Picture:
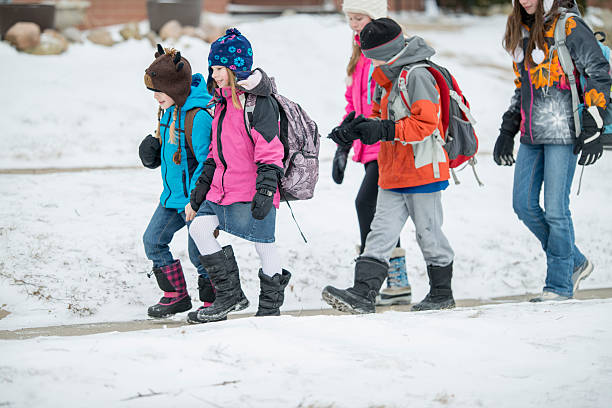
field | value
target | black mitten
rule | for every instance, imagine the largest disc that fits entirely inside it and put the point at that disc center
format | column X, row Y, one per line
column 339, row 164
column 589, row 141
column 150, row 152
column 503, row 152
column 265, row 185
column 371, row 131
column 198, row 194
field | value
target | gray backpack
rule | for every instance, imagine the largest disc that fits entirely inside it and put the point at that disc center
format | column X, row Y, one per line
column 301, row 140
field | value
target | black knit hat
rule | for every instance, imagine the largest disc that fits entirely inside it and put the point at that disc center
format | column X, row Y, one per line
column 381, row 39
column 169, row 73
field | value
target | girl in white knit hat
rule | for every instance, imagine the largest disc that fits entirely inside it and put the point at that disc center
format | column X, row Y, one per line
column 359, row 92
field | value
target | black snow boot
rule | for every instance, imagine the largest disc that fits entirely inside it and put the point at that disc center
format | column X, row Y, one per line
column 207, row 295
column 223, row 271
column 272, row 293
column 361, row 298
column 171, row 280
column 440, row 294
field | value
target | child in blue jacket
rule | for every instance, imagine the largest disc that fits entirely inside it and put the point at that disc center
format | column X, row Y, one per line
column 177, row 92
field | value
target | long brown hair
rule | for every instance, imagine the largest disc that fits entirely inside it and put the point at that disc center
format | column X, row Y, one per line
column 212, row 85
column 354, row 59
column 538, row 24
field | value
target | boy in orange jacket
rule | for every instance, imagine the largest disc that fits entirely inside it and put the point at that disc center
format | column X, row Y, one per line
column 413, row 168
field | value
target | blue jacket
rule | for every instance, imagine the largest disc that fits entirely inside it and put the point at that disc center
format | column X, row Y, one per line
column 179, row 179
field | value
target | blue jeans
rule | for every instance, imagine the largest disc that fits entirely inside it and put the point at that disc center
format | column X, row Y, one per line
column 164, row 223
column 552, row 166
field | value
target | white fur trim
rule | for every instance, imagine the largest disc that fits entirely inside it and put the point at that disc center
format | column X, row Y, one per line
column 518, row 55
column 547, row 4
column 373, row 8
column 538, row 56
column 252, row 81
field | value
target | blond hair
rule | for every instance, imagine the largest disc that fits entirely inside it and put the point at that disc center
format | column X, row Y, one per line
column 232, row 80
column 172, row 140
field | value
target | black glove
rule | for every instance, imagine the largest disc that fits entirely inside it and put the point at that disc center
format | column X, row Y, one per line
column 339, row 164
column 344, row 134
column 371, row 131
column 265, row 185
column 503, row 152
column 198, row 194
column 150, row 152
column 589, row 141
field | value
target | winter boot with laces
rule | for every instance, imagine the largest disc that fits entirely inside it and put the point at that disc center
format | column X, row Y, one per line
column 272, row 293
column 171, row 280
column 398, row 290
column 369, row 276
column 440, row 294
column 224, row 275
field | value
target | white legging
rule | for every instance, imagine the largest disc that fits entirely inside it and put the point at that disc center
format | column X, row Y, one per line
column 202, row 229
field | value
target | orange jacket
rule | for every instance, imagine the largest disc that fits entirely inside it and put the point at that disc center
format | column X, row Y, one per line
column 416, row 156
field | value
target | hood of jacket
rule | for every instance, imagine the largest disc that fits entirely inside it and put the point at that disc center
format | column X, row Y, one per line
column 199, row 96
column 415, row 50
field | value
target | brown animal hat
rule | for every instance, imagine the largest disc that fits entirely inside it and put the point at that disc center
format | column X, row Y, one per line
column 169, row 73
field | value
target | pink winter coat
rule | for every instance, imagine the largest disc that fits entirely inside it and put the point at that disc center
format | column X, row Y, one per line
column 357, row 100
column 236, row 155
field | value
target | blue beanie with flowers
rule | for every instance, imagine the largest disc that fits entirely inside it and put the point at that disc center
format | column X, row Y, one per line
column 233, row 51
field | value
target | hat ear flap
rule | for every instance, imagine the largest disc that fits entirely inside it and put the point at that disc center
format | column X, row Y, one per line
column 179, row 66
column 160, row 51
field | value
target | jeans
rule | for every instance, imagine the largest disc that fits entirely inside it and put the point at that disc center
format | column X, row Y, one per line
column 552, row 166
column 164, row 223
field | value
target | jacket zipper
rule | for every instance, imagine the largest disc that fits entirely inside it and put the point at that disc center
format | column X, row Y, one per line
column 530, row 102
column 164, row 159
column 220, row 147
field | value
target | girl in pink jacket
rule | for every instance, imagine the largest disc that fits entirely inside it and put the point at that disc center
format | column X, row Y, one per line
column 359, row 94
column 237, row 191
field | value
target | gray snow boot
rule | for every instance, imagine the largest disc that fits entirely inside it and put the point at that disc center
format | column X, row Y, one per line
column 223, row 271
column 272, row 293
column 440, row 294
column 370, row 274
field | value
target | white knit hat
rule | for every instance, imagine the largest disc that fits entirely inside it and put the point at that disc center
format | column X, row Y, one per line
column 373, row 8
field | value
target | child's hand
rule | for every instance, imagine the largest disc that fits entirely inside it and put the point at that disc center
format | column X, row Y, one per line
column 189, row 213
column 262, row 203
column 150, row 152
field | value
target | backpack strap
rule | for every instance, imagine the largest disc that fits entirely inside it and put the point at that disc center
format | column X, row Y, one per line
column 189, row 118
column 248, row 113
column 567, row 64
column 403, row 88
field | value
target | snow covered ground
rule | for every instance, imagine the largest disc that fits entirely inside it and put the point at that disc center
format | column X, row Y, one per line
column 71, row 251
column 522, row 355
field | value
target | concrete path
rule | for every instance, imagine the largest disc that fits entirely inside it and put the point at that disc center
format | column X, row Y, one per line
column 95, row 328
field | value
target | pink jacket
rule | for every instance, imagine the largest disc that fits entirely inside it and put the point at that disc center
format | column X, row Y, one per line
column 236, row 155
column 357, row 100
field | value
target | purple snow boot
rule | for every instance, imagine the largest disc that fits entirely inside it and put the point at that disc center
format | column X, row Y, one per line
column 171, row 280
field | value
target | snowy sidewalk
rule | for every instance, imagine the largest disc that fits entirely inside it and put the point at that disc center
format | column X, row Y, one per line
column 179, row 320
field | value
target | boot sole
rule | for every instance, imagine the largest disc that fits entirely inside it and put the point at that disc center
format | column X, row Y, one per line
column 243, row 304
column 180, row 308
column 417, row 308
column 341, row 305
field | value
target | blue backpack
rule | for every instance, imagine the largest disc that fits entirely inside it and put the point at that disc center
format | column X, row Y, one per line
column 568, row 67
